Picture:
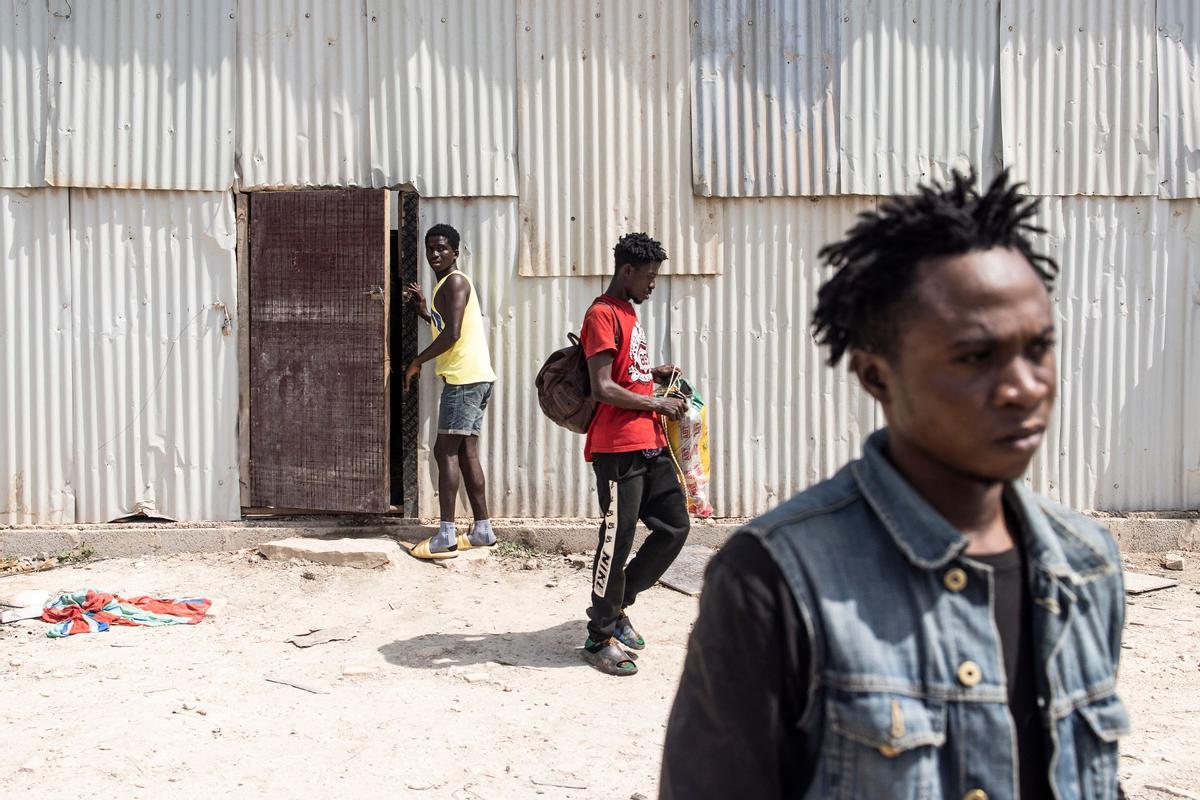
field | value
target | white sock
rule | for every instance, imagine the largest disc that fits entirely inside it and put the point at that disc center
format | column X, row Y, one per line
column 482, row 533
column 445, row 538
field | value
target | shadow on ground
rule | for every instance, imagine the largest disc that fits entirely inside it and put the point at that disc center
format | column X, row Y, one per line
column 553, row 647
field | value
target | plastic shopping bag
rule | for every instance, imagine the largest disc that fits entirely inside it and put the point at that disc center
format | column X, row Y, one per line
column 688, row 439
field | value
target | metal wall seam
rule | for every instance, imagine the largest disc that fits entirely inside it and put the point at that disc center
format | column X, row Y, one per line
column 23, row 43
column 779, row 418
column 141, row 95
column 1114, row 442
column 917, row 92
column 156, row 397
column 1179, row 97
column 36, row 434
column 764, row 97
column 604, row 136
column 443, row 96
column 302, row 94
column 1078, row 99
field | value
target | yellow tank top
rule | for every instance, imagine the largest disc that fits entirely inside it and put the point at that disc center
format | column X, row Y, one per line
column 469, row 360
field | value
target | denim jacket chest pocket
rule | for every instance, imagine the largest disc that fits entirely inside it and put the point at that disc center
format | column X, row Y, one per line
column 882, row 745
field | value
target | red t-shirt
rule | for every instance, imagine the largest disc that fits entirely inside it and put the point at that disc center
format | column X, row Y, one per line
column 612, row 325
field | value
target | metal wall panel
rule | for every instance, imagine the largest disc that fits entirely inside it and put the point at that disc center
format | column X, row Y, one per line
column 1077, row 89
column 1115, row 441
column 534, row 467
column 36, row 434
column 1179, row 97
column 141, row 95
column 302, row 94
column 1186, row 221
column 779, row 418
column 918, row 93
column 443, row 96
column 23, row 35
column 764, row 97
column 604, row 136
column 155, row 360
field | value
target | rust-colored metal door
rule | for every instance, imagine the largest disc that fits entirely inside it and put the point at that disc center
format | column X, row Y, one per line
column 319, row 402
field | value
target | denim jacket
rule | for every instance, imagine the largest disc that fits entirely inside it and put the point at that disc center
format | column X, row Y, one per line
column 907, row 693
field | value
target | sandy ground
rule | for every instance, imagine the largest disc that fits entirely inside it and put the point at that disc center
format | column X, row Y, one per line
column 455, row 685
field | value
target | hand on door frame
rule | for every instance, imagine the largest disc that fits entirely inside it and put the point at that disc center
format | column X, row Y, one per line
column 414, row 369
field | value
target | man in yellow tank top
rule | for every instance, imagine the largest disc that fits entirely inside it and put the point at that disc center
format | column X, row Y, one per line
column 460, row 354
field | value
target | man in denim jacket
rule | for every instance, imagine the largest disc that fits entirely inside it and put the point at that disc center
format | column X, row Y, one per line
column 921, row 625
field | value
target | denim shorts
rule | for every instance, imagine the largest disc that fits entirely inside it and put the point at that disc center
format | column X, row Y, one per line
column 461, row 410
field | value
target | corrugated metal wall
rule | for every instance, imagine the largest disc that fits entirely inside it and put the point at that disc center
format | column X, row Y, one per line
column 443, row 83
column 764, row 98
column 618, row 114
column 841, row 96
column 604, row 136
column 1077, row 87
column 1179, row 97
column 779, row 419
column 1123, row 306
column 918, row 92
column 156, row 390
column 894, row 92
column 141, row 95
column 1190, row 231
column 302, row 94
column 23, row 36
column 36, row 390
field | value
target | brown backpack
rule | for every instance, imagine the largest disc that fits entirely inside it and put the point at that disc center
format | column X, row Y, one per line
column 564, row 387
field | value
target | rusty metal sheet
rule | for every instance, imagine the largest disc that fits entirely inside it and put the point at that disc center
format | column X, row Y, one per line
column 318, row 341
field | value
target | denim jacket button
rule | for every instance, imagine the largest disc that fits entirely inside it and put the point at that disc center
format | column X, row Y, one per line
column 975, row 794
column 969, row 674
column 955, row 579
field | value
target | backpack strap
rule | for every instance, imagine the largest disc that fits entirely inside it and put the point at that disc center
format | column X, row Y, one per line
column 616, row 322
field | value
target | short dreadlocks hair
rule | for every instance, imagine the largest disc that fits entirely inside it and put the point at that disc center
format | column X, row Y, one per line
column 442, row 229
column 637, row 248
column 877, row 261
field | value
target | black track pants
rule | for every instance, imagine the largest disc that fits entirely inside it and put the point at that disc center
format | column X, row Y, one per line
column 632, row 487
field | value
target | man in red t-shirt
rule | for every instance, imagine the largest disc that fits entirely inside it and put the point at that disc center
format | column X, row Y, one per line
column 635, row 475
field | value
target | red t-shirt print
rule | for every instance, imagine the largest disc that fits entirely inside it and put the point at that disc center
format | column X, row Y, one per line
column 612, row 325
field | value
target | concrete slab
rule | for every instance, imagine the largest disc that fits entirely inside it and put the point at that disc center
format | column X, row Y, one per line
column 360, row 553
column 1145, row 533
column 686, row 574
column 1137, row 583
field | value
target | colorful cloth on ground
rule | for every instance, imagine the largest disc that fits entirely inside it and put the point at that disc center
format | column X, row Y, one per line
column 93, row 612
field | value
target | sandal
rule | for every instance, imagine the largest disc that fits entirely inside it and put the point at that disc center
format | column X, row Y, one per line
column 422, row 551
column 624, row 633
column 464, row 542
column 609, row 658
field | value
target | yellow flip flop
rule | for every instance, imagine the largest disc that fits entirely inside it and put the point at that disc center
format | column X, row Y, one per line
column 464, row 542
column 421, row 550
